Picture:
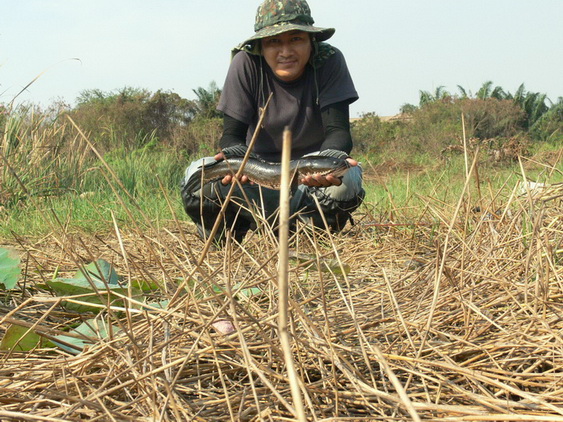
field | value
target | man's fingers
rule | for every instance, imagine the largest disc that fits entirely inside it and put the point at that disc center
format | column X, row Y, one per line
column 229, row 178
column 352, row 162
column 334, row 181
column 318, row 180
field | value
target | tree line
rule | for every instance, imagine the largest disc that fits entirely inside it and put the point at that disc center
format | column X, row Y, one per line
column 540, row 114
column 132, row 118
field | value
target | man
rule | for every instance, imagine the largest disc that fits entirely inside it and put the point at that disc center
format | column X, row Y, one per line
column 311, row 92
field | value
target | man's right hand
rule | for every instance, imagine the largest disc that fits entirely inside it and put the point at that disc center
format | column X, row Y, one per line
column 228, row 178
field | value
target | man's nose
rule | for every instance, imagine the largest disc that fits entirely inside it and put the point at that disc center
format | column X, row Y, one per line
column 285, row 49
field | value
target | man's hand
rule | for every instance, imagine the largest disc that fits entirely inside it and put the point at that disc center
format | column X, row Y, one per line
column 324, row 181
column 228, row 178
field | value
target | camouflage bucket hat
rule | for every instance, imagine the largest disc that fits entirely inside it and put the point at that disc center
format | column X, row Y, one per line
column 275, row 17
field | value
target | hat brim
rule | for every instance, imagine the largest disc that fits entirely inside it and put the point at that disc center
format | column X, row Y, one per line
column 321, row 34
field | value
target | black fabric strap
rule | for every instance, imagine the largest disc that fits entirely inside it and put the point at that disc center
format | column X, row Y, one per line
column 234, row 132
column 336, row 123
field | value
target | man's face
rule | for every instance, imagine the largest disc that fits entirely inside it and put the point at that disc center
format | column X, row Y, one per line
column 287, row 54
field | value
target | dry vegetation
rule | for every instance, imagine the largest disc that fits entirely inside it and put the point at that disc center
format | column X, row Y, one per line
column 454, row 315
column 449, row 310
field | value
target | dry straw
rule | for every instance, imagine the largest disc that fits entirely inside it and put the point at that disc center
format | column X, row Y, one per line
column 459, row 321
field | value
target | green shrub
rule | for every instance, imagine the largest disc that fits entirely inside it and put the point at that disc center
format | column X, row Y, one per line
column 130, row 117
column 199, row 138
column 140, row 171
column 372, row 135
column 439, row 124
column 549, row 127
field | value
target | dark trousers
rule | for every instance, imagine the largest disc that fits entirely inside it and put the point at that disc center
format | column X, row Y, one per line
column 204, row 205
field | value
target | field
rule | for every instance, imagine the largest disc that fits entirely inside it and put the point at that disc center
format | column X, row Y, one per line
column 454, row 315
column 442, row 302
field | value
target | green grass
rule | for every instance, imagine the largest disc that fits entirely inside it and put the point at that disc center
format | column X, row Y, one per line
column 128, row 187
column 400, row 195
column 93, row 214
column 51, row 179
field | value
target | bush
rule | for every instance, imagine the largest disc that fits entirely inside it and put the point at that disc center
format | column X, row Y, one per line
column 438, row 124
column 199, row 138
column 372, row 135
column 549, row 127
column 491, row 117
column 435, row 130
column 131, row 117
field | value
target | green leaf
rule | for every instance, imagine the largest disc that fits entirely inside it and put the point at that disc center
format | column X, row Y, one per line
column 93, row 330
column 247, row 292
column 75, row 286
column 94, row 290
column 99, row 270
column 96, row 294
column 333, row 266
column 163, row 304
column 21, row 339
column 9, row 268
column 144, row 285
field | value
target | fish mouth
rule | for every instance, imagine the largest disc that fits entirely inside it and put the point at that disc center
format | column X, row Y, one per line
column 340, row 170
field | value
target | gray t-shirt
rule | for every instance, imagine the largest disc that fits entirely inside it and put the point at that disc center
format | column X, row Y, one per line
column 294, row 104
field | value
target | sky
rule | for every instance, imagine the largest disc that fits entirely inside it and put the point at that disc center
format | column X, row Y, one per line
column 394, row 49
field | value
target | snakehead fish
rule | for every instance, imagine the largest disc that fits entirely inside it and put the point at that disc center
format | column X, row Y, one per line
column 265, row 173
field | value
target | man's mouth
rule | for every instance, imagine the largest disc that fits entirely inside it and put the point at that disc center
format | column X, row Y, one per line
column 287, row 62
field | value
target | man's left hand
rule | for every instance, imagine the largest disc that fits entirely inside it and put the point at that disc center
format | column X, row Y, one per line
column 319, row 180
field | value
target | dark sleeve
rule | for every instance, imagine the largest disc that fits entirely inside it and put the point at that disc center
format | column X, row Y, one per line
column 234, row 132
column 336, row 125
column 238, row 97
column 335, row 81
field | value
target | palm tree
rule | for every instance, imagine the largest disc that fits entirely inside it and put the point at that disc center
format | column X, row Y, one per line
column 519, row 95
column 427, row 97
column 207, row 100
column 463, row 92
column 535, row 107
column 498, row 93
column 533, row 104
column 487, row 91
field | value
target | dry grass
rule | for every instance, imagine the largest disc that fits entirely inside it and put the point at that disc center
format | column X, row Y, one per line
column 456, row 321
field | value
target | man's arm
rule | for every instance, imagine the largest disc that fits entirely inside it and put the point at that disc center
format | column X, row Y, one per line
column 234, row 132
column 336, row 125
column 232, row 143
column 337, row 143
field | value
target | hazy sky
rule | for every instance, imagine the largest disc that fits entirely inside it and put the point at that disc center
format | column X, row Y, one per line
column 394, row 49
